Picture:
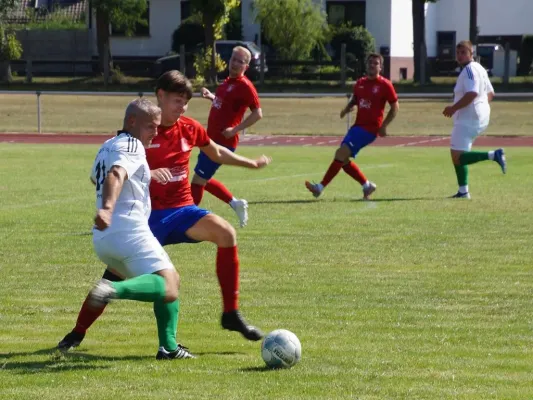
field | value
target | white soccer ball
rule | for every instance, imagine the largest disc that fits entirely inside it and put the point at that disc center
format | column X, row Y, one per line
column 281, row 349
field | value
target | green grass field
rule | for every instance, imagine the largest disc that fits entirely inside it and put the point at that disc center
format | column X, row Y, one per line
column 411, row 295
column 318, row 116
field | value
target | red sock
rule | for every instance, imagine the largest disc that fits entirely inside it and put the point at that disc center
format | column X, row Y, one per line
column 332, row 171
column 353, row 170
column 87, row 316
column 228, row 276
column 197, row 192
column 217, row 189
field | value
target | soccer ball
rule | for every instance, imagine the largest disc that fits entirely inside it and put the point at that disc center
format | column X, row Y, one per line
column 281, row 349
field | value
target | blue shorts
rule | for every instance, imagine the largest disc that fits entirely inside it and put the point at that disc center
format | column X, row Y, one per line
column 205, row 167
column 357, row 138
column 169, row 225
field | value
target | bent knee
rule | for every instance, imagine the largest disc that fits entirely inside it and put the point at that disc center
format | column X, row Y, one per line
column 197, row 180
column 343, row 154
column 227, row 236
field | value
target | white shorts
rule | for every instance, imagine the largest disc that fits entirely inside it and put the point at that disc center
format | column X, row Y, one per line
column 464, row 135
column 129, row 255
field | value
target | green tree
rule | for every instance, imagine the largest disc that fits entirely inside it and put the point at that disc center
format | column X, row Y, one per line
column 293, row 27
column 122, row 14
column 215, row 14
column 419, row 39
column 10, row 47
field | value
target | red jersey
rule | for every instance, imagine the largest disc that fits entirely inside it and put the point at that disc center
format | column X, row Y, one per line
column 371, row 96
column 232, row 98
column 171, row 149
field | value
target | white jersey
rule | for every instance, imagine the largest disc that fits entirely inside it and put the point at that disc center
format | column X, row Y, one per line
column 473, row 78
column 133, row 206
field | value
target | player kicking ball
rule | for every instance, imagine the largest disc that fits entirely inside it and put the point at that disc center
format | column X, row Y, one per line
column 174, row 217
column 370, row 94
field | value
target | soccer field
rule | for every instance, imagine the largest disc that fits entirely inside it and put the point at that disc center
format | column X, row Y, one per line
column 315, row 116
column 411, row 295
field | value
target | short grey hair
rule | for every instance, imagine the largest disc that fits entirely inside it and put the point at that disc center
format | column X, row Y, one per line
column 141, row 106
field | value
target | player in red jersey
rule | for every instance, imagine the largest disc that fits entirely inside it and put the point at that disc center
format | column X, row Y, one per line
column 230, row 101
column 174, row 217
column 370, row 94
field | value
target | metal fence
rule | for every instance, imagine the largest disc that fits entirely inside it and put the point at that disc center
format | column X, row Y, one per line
column 39, row 94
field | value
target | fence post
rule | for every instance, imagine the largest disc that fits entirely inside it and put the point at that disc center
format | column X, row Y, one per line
column 29, row 72
column 262, row 67
column 106, row 66
column 348, row 115
column 423, row 64
column 182, row 59
column 507, row 62
column 38, row 111
column 343, row 64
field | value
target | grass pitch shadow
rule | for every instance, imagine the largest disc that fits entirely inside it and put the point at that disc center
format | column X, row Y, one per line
column 59, row 362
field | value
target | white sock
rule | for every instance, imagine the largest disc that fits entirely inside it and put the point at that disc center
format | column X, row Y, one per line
column 232, row 202
column 463, row 189
column 491, row 155
column 366, row 185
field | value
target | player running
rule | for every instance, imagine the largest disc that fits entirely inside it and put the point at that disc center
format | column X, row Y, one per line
column 370, row 94
column 229, row 103
column 471, row 114
column 175, row 218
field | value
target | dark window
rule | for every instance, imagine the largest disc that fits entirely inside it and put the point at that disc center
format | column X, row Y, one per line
column 340, row 12
column 141, row 29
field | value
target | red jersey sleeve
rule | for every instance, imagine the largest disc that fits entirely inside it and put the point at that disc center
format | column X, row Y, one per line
column 252, row 98
column 392, row 97
column 202, row 139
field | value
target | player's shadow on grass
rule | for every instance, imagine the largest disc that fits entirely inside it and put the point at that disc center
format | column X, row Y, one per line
column 264, row 368
column 282, row 201
column 59, row 362
column 391, row 199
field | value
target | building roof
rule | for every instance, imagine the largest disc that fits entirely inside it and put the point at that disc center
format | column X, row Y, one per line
column 39, row 10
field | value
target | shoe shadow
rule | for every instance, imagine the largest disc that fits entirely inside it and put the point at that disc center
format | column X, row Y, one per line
column 218, row 353
column 58, row 361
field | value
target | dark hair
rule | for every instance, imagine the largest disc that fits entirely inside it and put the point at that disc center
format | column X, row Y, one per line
column 375, row 55
column 174, row 82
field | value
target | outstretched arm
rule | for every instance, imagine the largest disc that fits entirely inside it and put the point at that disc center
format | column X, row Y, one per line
column 349, row 107
column 222, row 155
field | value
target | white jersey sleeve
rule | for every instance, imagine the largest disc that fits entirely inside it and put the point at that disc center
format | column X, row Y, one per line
column 470, row 80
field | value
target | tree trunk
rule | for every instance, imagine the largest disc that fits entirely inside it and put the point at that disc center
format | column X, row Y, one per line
column 419, row 39
column 102, row 40
column 210, row 43
column 5, row 72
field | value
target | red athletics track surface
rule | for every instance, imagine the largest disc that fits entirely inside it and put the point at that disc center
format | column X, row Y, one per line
column 278, row 140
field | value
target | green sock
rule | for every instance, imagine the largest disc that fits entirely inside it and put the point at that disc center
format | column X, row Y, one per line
column 472, row 157
column 166, row 315
column 462, row 174
column 147, row 288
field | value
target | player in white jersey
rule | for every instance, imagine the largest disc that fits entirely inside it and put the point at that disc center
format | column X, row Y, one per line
column 121, row 236
column 471, row 114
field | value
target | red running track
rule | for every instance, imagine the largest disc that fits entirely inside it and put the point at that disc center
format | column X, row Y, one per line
column 253, row 140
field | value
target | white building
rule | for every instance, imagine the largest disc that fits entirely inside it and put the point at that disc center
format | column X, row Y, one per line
column 389, row 21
